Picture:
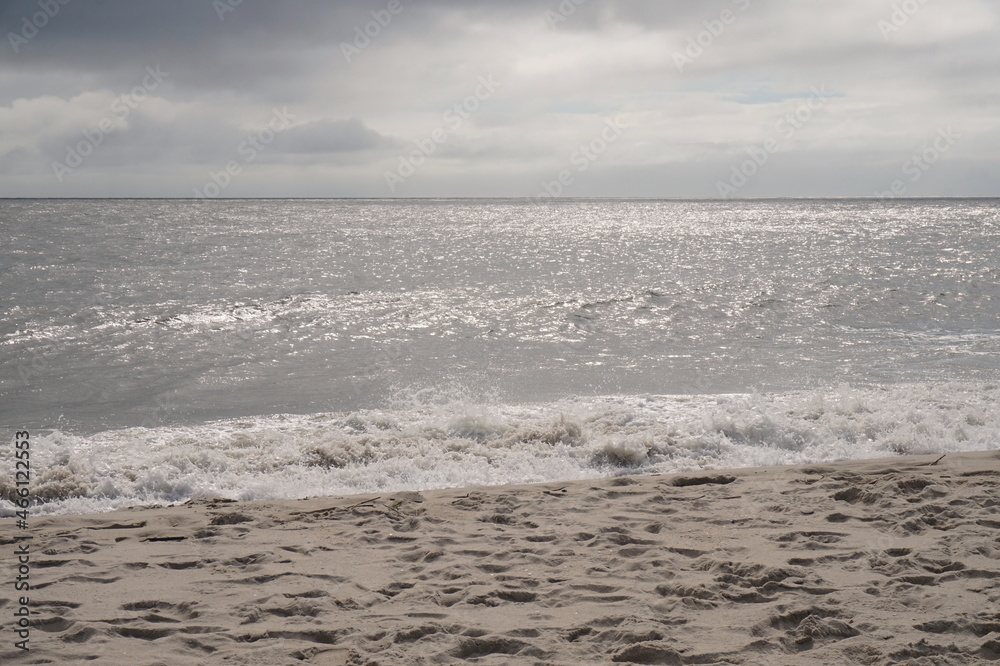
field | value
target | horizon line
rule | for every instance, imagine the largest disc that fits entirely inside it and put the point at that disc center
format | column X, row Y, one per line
column 522, row 198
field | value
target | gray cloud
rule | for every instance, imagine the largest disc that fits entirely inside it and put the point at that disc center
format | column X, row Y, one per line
column 334, row 136
column 565, row 69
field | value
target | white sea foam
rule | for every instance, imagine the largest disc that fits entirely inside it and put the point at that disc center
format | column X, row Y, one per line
column 453, row 443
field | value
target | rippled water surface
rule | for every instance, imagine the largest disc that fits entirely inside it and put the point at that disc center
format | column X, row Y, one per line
column 120, row 311
column 177, row 314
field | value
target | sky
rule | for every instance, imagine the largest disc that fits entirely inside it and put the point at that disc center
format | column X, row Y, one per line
column 511, row 98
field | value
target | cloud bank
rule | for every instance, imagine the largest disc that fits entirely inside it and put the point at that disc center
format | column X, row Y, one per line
column 726, row 98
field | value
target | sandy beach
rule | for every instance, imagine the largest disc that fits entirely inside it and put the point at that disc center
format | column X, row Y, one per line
column 871, row 562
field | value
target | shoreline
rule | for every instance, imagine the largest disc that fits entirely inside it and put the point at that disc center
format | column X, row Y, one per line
column 865, row 561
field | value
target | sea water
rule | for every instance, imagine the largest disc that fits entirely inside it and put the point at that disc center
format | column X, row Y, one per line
column 160, row 350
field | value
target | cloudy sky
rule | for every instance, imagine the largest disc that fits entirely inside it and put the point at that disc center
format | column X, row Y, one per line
column 634, row 98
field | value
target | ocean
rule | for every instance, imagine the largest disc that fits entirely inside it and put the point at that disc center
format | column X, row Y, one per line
column 163, row 350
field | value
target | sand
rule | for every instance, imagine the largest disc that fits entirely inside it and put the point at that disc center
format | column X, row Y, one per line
column 872, row 562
